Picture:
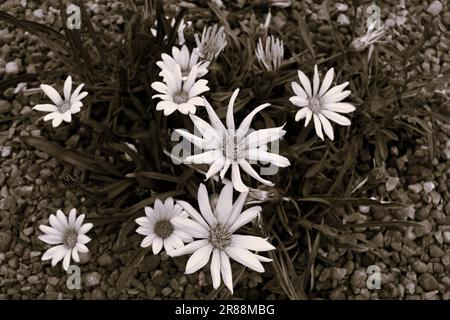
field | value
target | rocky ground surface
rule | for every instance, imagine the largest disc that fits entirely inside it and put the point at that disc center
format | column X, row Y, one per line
column 31, row 187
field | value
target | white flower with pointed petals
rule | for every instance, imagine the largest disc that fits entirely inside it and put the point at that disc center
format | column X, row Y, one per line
column 68, row 235
column 158, row 229
column 212, row 42
column 226, row 146
column 215, row 228
column 62, row 109
column 271, row 55
column 321, row 104
column 186, row 61
column 177, row 94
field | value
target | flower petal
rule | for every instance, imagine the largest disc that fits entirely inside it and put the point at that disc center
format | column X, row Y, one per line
column 299, row 101
column 264, row 136
column 213, row 118
column 160, row 87
column 236, row 178
column 67, row 88
column 83, row 239
column 326, row 82
column 225, row 269
column 51, row 238
column 333, row 91
column 189, row 248
column 339, row 107
column 46, row 107
column 236, row 210
column 157, row 245
column 308, row 117
column 198, row 259
column 67, row 116
column 75, row 255
column 215, row 268
column 51, row 252
column 301, row 114
column 205, row 207
column 333, row 116
column 79, row 221
column 248, row 168
column 260, row 154
column 85, row 228
column 52, row 94
column 74, row 98
column 54, row 222
column 148, row 240
column 318, row 126
column 72, row 217
column 251, row 243
column 58, row 255
column 193, row 227
column 326, row 126
column 316, row 81
column 245, row 217
column 57, row 119
column 225, row 203
column 207, row 157
column 66, row 260
column 245, row 124
column 50, row 230
column 298, row 90
column 305, row 83
column 245, row 257
column 62, row 219
column 230, row 116
column 335, row 97
column 82, row 248
column 215, row 167
column 193, row 213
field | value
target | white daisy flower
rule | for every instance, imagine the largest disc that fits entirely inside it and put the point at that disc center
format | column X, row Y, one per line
column 270, row 57
column 180, row 29
column 215, row 227
column 226, row 146
column 185, row 60
column 158, row 229
column 69, row 236
column 62, row 109
column 212, row 42
column 177, row 94
column 321, row 104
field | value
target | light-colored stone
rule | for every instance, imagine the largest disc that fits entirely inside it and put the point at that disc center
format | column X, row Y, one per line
column 435, row 8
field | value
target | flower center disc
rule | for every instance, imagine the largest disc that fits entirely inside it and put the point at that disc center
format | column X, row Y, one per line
column 71, row 238
column 230, row 147
column 65, row 106
column 180, row 97
column 219, row 237
column 314, row 104
column 163, row 228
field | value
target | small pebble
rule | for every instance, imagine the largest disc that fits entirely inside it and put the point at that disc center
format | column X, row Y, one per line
column 12, row 68
column 427, row 282
column 435, row 8
column 428, row 186
column 92, row 279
